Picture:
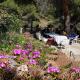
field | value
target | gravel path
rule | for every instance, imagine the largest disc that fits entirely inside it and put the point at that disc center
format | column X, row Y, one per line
column 73, row 51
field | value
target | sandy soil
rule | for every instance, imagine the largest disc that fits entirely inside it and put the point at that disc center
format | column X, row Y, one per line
column 73, row 51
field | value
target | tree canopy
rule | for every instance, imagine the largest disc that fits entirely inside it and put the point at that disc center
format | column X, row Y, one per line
column 48, row 9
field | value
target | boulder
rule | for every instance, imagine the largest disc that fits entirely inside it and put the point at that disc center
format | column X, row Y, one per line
column 12, row 63
column 21, row 70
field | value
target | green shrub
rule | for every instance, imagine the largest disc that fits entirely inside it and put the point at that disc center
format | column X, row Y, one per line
column 17, row 38
column 8, row 41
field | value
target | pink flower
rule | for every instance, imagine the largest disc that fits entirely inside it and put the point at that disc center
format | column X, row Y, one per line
column 29, row 56
column 17, row 51
column 7, row 56
column 76, row 69
column 25, row 52
column 3, row 56
column 32, row 61
column 18, row 46
column 53, row 69
column 30, row 49
column 29, row 45
column 2, row 65
column 78, row 79
column 36, row 54
column 21, row 58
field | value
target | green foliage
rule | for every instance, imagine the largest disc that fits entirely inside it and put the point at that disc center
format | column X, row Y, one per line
column 6, row 47
column 35, row 23
column 30, row 8
column 17, row 38
column 15, row 23
column 5, row 43
column 9, row 40
column 10, row 4
column 47, row 9
column 10, row 22
column 77, row 2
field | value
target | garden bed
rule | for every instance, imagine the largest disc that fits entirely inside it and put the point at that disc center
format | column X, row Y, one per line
column 36, row 61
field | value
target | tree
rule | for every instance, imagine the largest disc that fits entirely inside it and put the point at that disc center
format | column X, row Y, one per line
column 66, row 15
column 9, row 21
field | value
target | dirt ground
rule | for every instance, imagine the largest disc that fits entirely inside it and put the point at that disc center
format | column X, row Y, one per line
column 61, row 60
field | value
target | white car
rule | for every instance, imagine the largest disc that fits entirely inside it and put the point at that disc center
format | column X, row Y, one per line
column 60, row 39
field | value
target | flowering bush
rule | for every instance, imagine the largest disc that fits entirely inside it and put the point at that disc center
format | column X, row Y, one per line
column 32, row 61
column 76, row 69
column 75, row 73
column 36, row 54
column 17, row 51
column 25, row 52
column 53, row 69
column 53, row 72
column 33, row 55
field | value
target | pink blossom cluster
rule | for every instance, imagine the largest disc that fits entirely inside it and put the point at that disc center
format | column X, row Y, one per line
column 76, row 69
column 6, row 56
column 78, row 79
column 2, row 65
column 31, row 55
column 29, row 47
column 36, row 54
column 20, row 51
column 52, row 69
column 3, row 56
column 18, row 46
column 32, row 61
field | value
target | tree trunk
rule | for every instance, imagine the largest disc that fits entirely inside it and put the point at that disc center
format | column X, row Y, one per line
column 66, row 16
column 30, row 25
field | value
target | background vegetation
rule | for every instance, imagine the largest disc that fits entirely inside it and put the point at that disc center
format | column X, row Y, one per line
column 16, row 13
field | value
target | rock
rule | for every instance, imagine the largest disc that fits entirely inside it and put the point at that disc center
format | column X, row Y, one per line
column 21, row 70
column 12, row 63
